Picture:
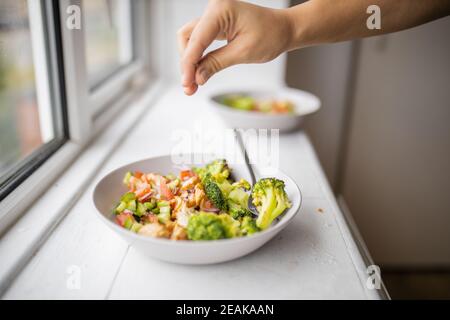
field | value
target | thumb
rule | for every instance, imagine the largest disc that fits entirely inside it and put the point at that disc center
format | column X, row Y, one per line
column 216, row 61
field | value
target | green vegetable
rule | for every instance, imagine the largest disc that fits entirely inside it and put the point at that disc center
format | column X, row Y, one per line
column 128, row 223
column 237, row 211
column 239, row 102
column 218, row 169
column 214, row 193
column 155, row 210
column 127, row 177
column 132, row 205
column 173, row 184
column 248, row 226
column 210, row 226
column 240, row 197
column 241, row 184
column 150, row 205
column 171, row 176
column 136, row 227
column 127, row 197
column 122, row 206
column 265, row 106
column 225, row 186
column 140, row 210
column 164, row 214
column 163, row 203
column 270, row 200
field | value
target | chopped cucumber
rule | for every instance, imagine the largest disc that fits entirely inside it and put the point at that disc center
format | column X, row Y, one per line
column 136, row 227
column 155, row 210
column 132, row 205
column 127, row 197
column 150, row 205
column 121, row 206
column 163, row 203
column 128, row 223
column 140, row 210
column 170, row 176
column 164, row 214
column 127, row 177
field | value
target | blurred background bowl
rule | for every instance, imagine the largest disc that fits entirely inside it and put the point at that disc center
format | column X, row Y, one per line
column 304, row 103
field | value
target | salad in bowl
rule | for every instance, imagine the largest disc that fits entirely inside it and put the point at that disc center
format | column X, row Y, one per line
column 199, row 215
column 200, row 203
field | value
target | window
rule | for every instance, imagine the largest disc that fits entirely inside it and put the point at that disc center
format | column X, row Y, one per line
column 108, row 36
column 31, row 117
column 56, row 84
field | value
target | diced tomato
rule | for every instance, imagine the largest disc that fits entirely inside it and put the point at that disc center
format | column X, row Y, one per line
column 146, row 196
column 121, row 218
column 138, row 174
column 144, row 178
column 132, row 183
column 166, row 193
column 186, row 174
column 142, row 188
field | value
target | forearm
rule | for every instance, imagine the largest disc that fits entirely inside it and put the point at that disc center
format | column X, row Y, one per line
column 326, row 21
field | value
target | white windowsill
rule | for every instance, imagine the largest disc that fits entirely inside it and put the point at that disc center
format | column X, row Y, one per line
column 316, row 257
column 26, row 236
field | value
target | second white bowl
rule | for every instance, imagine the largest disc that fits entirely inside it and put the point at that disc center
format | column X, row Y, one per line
column 304, row 103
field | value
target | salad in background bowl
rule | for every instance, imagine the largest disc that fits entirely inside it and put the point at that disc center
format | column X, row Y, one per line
column 195, row 215
column 281, row 108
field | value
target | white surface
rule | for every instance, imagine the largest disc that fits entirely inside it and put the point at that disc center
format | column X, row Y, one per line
column 313, row 258
column 25, row 237
column 304, row 103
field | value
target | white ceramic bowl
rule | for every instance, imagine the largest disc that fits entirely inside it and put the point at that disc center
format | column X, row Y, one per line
column 304, row 103
column 110, row 188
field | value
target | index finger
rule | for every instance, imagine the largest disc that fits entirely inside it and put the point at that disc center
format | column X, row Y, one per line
column 202, row 36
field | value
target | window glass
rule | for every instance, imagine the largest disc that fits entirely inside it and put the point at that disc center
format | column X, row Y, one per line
column 25, row 124
column 108, row 34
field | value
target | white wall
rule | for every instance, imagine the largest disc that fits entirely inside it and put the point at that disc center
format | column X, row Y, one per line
column 324, row 71
column 397, row 175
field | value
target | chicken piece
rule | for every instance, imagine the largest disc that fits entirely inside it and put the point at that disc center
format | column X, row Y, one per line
column 183, row 217
column 191, row 200
column 155, row 230
column 199, row 194
column 188, row 198
column 149, row 218
column 190, row 183
column 178, row 233
column 176, row 206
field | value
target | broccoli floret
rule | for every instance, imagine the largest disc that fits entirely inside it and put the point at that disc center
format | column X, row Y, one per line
column 214, row 193
column 270, row 200
column 218, row 169
column 240, row 197
column 248, row 226
column 242, row 184
column 237, row 211
column 210, row 226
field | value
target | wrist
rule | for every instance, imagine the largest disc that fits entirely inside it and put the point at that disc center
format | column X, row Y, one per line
column 298, row 25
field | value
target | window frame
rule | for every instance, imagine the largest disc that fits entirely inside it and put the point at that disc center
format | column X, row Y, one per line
column 85, row 113
column 101, row 95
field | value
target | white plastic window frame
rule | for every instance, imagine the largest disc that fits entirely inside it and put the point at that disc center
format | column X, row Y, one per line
column 87, row 112
column 86, row 105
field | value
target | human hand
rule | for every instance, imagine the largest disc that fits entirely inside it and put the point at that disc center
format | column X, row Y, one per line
column 254, row 34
